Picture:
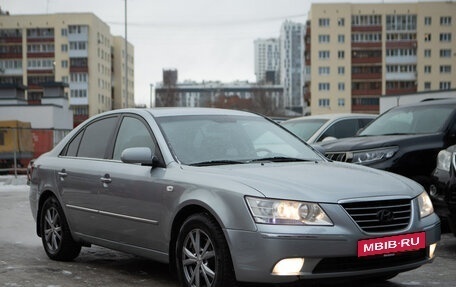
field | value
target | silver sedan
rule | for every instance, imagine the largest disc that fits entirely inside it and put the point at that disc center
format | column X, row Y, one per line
column 225, row 196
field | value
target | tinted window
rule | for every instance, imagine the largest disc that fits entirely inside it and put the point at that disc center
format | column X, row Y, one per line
column 74, row 145
column 96, row 138
column 410, row 120
column 132, row 133
column 341, row 129
column 304, row 128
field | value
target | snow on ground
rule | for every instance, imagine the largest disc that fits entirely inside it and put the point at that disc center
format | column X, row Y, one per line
column 12, row 183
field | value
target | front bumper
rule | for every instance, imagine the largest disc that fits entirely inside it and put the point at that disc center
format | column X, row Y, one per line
column 328, row 252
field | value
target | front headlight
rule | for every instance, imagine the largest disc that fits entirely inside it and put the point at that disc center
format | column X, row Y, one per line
column 276, row 211
column 425, row 204
column 374, row 155
column 444, row 160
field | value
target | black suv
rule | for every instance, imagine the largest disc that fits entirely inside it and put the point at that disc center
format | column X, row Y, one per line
column 443, row 188
column 404, row 140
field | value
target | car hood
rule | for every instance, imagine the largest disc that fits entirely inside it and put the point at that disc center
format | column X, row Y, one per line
column 311, row 181
column 370, row 142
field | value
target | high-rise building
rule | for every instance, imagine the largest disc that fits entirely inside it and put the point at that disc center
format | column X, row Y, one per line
column 267, row 61
column 292, row 65
column 74, row 48
column 360, row 52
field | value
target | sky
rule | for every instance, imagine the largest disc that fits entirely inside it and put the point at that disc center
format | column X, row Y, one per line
column 210, row 40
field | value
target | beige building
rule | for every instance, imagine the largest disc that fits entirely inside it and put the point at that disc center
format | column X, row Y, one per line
column 360, row 52
column 74, row 48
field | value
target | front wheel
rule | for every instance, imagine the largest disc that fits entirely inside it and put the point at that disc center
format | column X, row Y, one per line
column 55, row 233
column 202, row 255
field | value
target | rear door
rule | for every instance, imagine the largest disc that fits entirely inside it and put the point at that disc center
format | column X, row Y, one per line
column 80, row 174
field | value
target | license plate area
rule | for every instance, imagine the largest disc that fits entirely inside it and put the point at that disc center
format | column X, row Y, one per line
column 391, row 244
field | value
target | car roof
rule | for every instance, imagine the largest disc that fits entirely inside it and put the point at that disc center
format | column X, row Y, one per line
column 333, row 117
column 184, row 111
column 430, row 102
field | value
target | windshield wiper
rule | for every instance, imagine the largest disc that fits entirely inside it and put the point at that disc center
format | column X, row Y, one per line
column 217, row 162
column 279, row 159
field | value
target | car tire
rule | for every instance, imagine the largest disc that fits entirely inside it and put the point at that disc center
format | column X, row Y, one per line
column 55, row 233
column 202, row 254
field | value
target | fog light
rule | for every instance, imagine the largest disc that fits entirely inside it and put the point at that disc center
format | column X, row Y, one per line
column 432, row 250
column 289, row 266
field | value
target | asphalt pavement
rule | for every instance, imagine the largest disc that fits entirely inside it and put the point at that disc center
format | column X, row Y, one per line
column 23, row 261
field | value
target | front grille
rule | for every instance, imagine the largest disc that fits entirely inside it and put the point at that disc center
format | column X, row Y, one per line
column 347, row 264
column 339, row 156
column 380, row 216
column 453, row 195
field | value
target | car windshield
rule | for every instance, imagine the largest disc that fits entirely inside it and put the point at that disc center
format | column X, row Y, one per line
column 222, row 139
column 304, row 128
column 410, row 120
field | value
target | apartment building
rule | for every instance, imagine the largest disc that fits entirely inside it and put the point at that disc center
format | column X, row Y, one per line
column 358, row 53
column 292, row 65
column 73, row 48
column 267, row 60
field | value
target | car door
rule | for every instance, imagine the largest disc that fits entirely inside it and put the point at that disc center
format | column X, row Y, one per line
column 79, row 177
column 131, row 202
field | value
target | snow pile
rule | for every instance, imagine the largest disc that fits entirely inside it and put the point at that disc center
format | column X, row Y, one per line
column 12, row 183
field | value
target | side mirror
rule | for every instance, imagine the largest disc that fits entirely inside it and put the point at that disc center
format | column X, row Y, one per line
column 328, row 139
column 142, row 155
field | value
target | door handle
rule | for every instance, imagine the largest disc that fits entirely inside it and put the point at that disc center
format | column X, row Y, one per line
column 62, row 174
column 106, row 179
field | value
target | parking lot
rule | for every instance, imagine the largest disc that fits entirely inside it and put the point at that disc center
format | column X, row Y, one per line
column 23, row 261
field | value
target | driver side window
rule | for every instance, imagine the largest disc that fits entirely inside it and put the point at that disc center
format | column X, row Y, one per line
column 132, row 133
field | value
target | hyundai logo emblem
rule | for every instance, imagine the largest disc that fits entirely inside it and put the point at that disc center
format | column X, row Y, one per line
column 385, row 215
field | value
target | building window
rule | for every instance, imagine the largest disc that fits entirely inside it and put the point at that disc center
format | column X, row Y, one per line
column 445, row 37
column 341, row 70
column 341, row 22
column 445, row 20
column 323, row 22
column 323, row 103
column 427, row 85
column 341, row 102
column 366, row 20
column 427, row 53
column 427, row 21
column 323, row 38
column 323, row 54
column 323, row 86
column 64, row 63
column 64, row 32
column 65, row 79
column 323, row 70
column 445, row 69
column 341, row 86
column 341, row 38
column 427, row 69
column 445, row 53
column 445, row 85
column 427, row 37
column 64, row 48
column 341, row 54
column 400, row 22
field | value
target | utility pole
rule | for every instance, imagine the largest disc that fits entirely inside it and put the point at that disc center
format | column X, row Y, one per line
column 126, row 57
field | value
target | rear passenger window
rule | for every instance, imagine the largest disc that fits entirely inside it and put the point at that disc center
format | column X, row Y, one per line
column 96, row 138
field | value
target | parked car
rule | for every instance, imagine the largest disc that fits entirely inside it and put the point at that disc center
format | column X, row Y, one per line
column 313, row 129
column 225, row 196
column 403, row 140
column 443, row 188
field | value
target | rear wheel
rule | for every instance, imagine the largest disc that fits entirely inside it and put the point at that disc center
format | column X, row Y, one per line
column 55, row 234
column 202, row 255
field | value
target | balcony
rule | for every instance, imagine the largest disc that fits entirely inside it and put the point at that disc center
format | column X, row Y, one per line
column 366, row 109
column 367, row 76
column 367, row 60
column 365, row 45
column 401, row 76
column 400, row 91
column 367, row 92
column 401, row 44
column 41, row 55
column 366, row 28
column 79, row 69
